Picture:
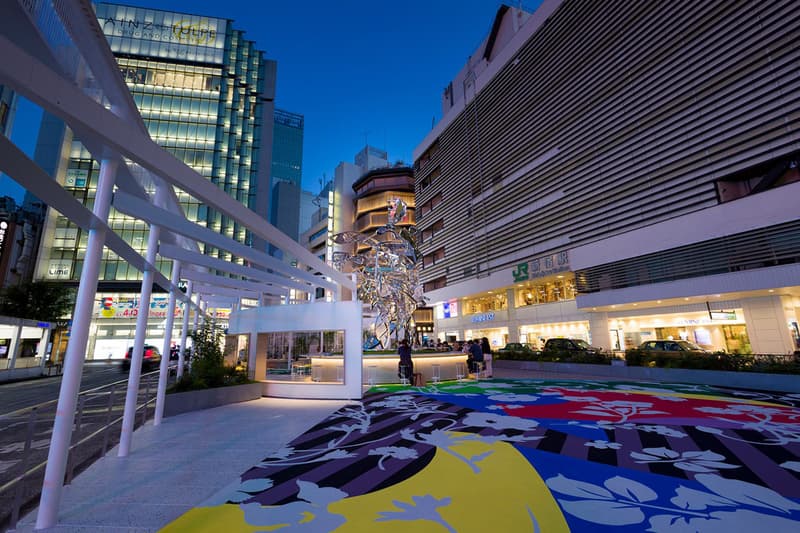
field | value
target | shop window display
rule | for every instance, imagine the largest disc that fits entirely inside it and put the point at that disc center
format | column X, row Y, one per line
column 289, row 353
column 485, row 304
column 547, row 292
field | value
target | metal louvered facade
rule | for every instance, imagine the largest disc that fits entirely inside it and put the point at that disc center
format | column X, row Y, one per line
column 764, row 248
column 610, row 118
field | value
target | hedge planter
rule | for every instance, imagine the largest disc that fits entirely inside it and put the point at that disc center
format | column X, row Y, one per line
column 743, row 380
column 185, row 402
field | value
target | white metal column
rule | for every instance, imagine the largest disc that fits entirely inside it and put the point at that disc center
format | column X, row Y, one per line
column 185, row 328
column 16, row 346
column 199, row 309
column 129, row 415
column 43, row 347
column 165, row 353
column 76, row 353
column 252, row 354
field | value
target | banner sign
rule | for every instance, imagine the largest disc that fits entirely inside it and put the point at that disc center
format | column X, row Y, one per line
column 154, row 33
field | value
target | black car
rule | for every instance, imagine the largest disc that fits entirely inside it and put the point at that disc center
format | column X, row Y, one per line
column 674, row 347
column 151, row 358
column 564, row 346
column 515, row 347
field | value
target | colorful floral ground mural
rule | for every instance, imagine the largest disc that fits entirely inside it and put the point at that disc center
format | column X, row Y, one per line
column 529, row 455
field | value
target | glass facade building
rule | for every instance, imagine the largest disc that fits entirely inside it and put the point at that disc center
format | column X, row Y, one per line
column 204, row 92
column 287, row 147
column 287, row 173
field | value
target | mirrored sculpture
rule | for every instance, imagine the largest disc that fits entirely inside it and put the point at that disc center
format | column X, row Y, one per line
column 386, row 264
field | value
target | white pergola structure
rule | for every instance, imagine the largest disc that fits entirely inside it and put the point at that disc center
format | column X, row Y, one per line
column 55, row 54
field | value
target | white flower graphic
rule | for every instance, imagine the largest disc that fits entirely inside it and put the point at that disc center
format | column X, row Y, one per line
column 791, row 465
column 724, row 505
column 662, row 430
column 499, row 422
column 396, row 452
column 603, row 445
column 694, row 461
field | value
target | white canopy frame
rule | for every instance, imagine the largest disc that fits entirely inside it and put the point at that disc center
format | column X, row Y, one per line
column 92, row 99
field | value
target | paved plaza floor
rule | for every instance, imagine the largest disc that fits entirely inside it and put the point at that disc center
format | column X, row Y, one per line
column 546, row 454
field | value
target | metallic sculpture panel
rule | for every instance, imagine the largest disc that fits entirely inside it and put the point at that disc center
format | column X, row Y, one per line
column 387, row 271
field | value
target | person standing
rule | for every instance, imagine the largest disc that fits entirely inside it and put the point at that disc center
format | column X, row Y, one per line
column 477, row 356
column 487, row 356
column 405, row 368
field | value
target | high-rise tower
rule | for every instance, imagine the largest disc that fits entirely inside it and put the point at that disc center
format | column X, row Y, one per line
column 287, row 173
column 205, row 93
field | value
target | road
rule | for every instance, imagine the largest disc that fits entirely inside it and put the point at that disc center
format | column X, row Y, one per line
column 21, row 394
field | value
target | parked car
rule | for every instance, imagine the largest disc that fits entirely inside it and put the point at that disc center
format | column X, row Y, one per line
column 515, row 347
column 569, row 347
column 151, row 358
column 672, row 347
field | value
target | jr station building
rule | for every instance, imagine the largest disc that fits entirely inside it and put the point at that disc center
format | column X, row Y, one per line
column 631, row 182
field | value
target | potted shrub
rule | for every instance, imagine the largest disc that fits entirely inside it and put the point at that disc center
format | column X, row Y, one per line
column 209, row 382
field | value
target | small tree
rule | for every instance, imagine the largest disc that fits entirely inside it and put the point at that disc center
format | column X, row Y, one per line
column 208, row 369
column 37, row 300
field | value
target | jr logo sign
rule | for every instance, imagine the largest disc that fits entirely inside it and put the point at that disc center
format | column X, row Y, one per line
column 521, row 272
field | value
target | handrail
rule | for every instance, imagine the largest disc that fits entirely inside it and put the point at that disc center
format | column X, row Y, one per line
column 21, row 492
column 40, row 405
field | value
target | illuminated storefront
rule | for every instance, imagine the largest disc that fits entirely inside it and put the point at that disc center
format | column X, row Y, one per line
column 717, row 332
column 542, row 303
column 114, row 323
column 535, row 335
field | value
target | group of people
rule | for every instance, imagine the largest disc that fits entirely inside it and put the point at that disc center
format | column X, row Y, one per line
column 479, row 356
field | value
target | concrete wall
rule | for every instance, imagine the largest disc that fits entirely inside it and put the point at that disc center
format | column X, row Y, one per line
column 185, row 402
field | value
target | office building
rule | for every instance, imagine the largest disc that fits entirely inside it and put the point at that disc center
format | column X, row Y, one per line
column 287, row 147
column 286, row 208
column 307, row 209
column 204, row 93
column 628, row 183
column 287, row 173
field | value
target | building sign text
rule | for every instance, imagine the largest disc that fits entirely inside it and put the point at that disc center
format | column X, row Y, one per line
column 542, row 266
column 485, row 317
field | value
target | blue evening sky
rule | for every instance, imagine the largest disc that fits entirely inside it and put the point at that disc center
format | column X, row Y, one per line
column 358, row 71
